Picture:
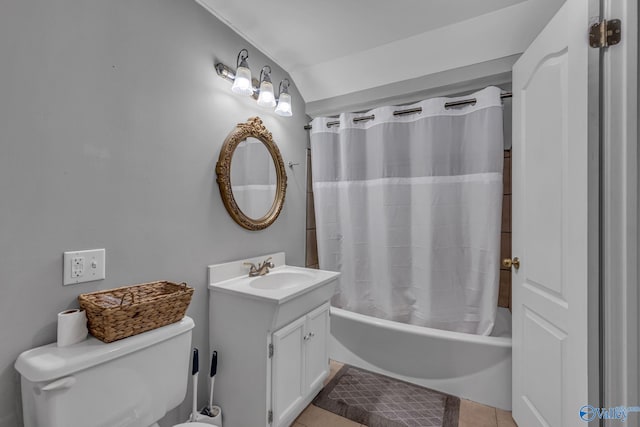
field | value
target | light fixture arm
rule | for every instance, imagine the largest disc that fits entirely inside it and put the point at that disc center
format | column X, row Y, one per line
column 284, row 87
column 243, row 55
column 265, row 74
column 225, row 72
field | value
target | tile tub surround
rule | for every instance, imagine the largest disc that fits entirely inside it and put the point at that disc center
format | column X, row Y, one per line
column 504, row 293
column 311, row 260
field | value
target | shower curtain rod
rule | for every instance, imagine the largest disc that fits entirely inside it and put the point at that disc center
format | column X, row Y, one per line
column 471, row 101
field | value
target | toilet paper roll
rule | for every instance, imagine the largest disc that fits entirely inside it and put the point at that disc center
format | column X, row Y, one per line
column 72, row 327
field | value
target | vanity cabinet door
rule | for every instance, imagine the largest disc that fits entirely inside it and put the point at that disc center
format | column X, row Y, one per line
column 288, row 382
column 300, row 364
column 316, row 351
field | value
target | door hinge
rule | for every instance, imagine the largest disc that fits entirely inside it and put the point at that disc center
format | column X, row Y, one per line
column 605, row 33
column 270, row 351
column 270, row 417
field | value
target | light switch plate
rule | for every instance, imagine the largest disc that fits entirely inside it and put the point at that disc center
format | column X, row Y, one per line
column 83, row 266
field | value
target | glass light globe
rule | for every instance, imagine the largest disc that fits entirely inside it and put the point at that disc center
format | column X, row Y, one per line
column 266, row 98
column 284, row 105
column 242, row 82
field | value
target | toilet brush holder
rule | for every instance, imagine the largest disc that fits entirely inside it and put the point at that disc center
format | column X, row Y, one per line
column 206, row 419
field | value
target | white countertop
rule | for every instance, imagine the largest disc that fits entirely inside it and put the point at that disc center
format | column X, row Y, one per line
column 306, row 280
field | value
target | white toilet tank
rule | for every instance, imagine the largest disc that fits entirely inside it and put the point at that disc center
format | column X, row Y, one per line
column 128, row 383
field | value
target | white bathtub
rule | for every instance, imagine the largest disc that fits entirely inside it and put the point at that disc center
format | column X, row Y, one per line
column 470, row 366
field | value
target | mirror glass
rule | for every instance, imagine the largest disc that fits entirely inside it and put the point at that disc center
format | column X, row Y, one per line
column 251, row 175
column 253, row 178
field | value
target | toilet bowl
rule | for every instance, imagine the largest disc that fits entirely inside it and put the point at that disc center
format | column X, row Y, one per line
column 192, row 425
column 127, row 383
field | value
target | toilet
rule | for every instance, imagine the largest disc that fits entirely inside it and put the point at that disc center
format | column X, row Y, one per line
column 132, row 382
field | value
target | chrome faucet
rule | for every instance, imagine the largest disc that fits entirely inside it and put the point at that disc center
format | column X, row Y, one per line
column 261, row 270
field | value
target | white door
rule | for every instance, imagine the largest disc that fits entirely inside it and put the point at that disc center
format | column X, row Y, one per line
column 554, row 223
column 287, row 386
column 316, row 348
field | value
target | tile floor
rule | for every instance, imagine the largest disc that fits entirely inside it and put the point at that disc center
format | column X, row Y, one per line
column 472, row 414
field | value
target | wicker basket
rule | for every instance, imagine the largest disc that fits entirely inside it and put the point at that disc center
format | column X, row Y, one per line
column 130, row 310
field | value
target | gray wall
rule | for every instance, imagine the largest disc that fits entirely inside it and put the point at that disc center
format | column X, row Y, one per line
column 111, row 121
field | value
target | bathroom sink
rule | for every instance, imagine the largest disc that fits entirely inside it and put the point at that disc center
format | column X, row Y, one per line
column 281, row 284
column 285, row 292
column 273, row 300
column 281, row 280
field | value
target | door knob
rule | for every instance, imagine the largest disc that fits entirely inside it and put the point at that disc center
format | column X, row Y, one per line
column 508, row 262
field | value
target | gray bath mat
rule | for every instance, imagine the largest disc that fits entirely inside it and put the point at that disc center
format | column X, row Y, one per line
column 380, row 401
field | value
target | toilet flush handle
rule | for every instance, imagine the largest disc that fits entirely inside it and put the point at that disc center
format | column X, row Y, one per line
column 66, row 382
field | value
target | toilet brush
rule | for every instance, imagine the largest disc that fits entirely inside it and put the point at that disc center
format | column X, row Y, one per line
column 194, row 376
column 210, row 410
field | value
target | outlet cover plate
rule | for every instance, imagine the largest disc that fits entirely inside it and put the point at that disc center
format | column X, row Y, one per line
column 83, row 266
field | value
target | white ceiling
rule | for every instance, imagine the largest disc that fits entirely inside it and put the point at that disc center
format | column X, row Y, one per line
column 307, row 37
column 298, row 33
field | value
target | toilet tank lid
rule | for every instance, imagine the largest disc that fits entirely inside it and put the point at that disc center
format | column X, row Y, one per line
column 50, row 362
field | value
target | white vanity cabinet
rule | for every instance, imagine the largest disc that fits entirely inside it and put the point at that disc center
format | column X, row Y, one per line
column 299, row 365
column 271, row 334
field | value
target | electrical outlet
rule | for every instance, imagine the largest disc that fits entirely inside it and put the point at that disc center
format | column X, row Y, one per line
column 77, row 266
column 83, row 266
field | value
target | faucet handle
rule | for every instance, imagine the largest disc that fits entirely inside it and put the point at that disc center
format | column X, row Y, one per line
column 252, row 265
column 268, row 263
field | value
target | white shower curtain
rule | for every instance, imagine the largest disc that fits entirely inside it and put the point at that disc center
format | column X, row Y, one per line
column 408, row 209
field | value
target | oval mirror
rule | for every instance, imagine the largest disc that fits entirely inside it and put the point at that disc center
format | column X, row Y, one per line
column 251, row 175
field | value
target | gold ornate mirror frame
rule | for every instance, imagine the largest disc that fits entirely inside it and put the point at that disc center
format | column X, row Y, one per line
column 256, row 129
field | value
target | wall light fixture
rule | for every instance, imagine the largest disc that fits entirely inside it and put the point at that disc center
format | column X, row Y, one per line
column 284, row 102
column 242, row 82
column 261, row 91
column 266, row 97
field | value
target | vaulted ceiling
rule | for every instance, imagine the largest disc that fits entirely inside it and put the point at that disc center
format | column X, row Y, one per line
column 336, row 47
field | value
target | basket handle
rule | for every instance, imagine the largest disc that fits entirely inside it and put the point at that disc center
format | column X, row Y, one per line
column 124, row 296
column 183, row 286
